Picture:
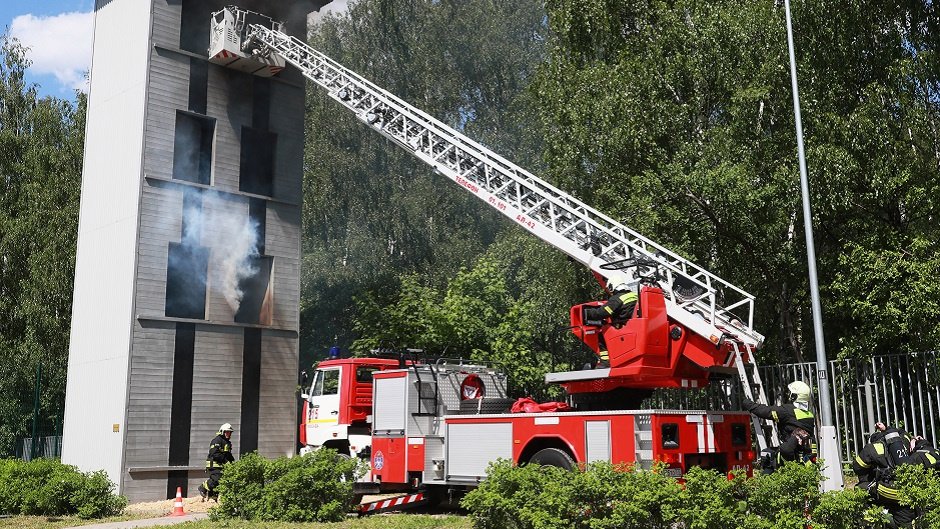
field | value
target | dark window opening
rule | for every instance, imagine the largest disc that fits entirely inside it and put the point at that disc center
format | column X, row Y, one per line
column 256, row 168
column 186, row 281
column 257, row 304
column 738, row 434
column 198, row 85
column 181, row 405
column 192, row 148
column 670, row 435
column 251, row 391
column 194, row 26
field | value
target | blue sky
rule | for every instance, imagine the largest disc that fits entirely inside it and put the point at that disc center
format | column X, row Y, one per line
column 58, row 33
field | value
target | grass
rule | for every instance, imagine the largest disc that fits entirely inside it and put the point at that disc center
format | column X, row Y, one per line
column 55, row 522
column 383, row 521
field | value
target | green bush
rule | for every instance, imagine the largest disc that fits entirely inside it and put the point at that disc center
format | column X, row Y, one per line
column 920, row 486
column 604, row 496
column 50, row 488
column 316, row 487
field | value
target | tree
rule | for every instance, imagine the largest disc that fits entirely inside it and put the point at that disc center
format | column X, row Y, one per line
column 41, row 142
column 510, row 308
column 374, row 215
column 676, row 116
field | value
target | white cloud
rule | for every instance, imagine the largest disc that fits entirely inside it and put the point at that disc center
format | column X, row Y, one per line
column 59, row 45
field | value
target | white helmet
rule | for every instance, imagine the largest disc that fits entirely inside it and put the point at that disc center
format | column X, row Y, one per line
column 618, row 282
column 799, row 391
column 226, row 428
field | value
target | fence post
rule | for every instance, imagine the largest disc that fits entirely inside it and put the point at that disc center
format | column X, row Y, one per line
column 34, row 445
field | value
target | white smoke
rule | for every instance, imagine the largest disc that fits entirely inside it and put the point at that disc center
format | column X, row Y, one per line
column 222, row 224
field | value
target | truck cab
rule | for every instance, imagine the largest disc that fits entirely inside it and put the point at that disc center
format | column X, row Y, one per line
column 338, row 403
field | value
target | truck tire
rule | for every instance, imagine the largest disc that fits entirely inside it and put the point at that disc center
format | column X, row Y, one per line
column 485, row 405
column 553, row 457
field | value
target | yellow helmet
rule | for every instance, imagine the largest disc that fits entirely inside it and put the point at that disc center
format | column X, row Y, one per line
column 799, row 391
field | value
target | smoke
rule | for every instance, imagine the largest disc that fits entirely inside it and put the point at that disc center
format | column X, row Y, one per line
column 222, row 224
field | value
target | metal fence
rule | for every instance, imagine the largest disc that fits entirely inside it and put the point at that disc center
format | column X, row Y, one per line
column 44, row 447
column 897, row 390
column 902, row 390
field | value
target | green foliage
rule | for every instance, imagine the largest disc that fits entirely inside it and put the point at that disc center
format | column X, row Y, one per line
column 316, row 487
column 676, row 117
column 376, row 220
column 41, row 141
column 603, row 496
column 840, row 509
column 509, row 308
column 920, row 487
column 47, row 487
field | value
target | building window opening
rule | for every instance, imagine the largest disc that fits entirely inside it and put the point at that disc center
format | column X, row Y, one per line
column 192, row 148
column 186, row 271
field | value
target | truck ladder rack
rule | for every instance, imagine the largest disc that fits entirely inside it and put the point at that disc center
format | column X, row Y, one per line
column 556, row 217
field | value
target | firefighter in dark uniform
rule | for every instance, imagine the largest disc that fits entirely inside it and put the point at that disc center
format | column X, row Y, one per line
column 874, row 466
column 618, row 308
column 220, row 453
column 796, row 426
column 923, row 453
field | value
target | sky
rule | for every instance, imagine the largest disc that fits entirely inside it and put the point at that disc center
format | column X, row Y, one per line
column 59, row 35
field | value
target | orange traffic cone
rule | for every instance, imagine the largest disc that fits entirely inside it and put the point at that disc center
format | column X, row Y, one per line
column 178, row 503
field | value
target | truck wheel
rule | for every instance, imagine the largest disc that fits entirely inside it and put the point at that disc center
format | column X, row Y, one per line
column 485, row 405
column 553, row 457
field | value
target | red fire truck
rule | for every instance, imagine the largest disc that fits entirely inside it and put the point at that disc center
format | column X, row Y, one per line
column 439, row 424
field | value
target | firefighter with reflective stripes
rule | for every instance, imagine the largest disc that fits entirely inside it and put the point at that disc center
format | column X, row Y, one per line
column 874, row 466
column 796, row 425
column 923, row 453
column 220, row 453
column 618, row 309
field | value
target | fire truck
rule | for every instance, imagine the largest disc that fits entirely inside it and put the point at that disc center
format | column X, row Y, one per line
column 436, row 425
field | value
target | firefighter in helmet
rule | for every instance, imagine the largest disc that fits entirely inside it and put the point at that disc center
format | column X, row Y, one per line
column 220, row 453
column 796, row 426
column 923, row 453
column 618, row 309
column 874, row 465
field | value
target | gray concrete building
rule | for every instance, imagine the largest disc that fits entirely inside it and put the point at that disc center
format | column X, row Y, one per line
column 187, row 280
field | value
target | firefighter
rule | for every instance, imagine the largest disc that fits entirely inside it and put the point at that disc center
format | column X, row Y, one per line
column 796, row 426
column 923, row 453
column 874, row 466
column 618, row 308
column 220, row 453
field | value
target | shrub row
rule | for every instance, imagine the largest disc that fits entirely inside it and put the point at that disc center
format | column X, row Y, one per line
column 605, row 496
column 316, row 487
column 50, row 488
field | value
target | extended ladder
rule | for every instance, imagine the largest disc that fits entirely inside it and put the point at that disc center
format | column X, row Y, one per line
column 749, row 376
column 701, row 301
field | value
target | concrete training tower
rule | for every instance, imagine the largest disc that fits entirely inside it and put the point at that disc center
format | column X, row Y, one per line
column 186, row 303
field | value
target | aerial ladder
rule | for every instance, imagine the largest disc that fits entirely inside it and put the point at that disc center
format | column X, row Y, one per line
column 704, row 325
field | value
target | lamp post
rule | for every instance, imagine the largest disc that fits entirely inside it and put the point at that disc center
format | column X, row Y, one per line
column 829, row 443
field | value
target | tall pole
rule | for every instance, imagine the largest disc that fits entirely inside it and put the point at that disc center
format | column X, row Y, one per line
column 829, row 443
